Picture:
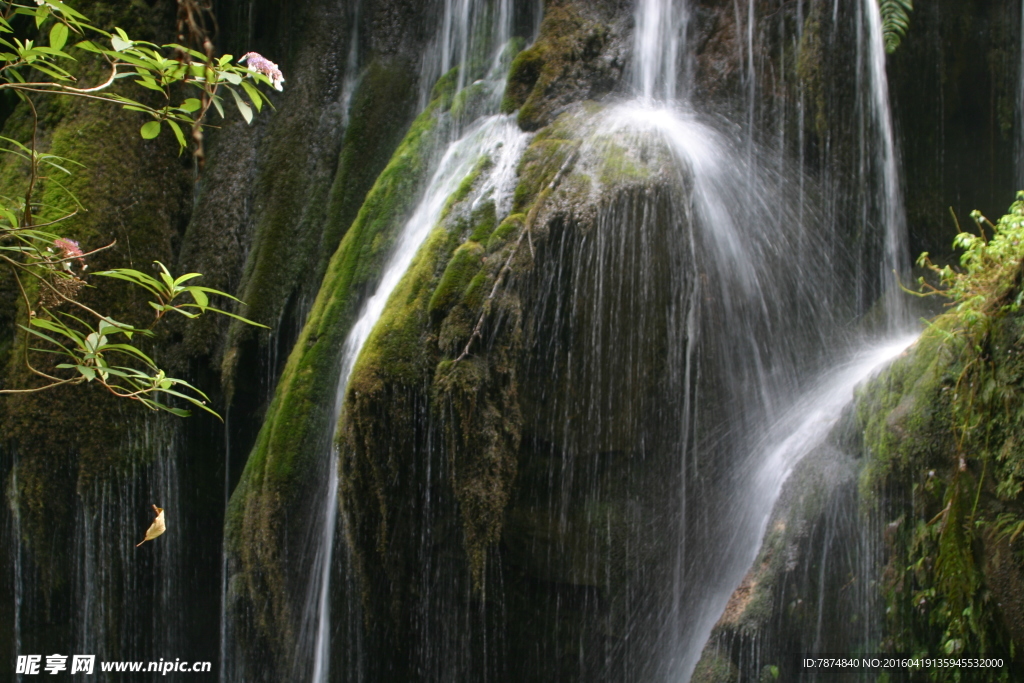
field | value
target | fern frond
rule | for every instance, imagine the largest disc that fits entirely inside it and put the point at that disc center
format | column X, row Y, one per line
column 895, row 21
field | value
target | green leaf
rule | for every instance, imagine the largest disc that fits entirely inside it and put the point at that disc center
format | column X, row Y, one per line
column 88, row 46
column 178, row 134
column 191, row 105
column 54, row 72
column 65, row 10
column 58, row 36
column 254, row 95
column 186, row 277
column 150, row 130
column 242, row 107
column 895, row 21
column 237, row 317
column 120, row 45
column 218, row 105
column 147, row 82
column 201, row 299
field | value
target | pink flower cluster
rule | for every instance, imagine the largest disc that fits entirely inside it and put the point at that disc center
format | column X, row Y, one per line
column 69, row 248
column 261, row 64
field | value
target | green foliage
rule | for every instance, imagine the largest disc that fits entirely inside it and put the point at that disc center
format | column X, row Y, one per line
column 895, row 21
column 968, row 499
column 48, row 269
column 92, row 356
column 166, row 289
column 159, row 68
column 987, row 273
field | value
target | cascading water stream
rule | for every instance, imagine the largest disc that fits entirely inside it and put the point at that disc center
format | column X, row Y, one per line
column 747, row 225
column 659, row 42
column 495, row 136
column 801, row 429
column 883, row 145
column 470, row 31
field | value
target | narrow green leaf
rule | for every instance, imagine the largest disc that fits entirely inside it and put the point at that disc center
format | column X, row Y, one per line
column 88, row 46
column 178, row 134
column 201, row 299
column 254, row 95
column 182, row 279
column 237, row 317
column 242, row 107
column 149, row 83
column 218, row 105
column 54, row 72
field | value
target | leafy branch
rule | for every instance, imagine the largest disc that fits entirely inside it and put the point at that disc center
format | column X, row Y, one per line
column 88, row 346
column 154, row 67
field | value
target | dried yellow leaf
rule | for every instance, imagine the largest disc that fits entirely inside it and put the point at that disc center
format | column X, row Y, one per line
column 156, row 528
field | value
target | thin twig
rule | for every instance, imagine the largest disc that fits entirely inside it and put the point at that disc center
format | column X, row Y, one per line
column 28, row 310
column 66, row 88
column 55, row 383
column 39, row 277
column 26, row 218
column 36, row 226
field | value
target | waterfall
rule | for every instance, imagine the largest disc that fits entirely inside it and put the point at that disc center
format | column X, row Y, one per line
column 495, row 136
column 882, row 146
column 467, row 36
column 782, row 388
column 658, row 44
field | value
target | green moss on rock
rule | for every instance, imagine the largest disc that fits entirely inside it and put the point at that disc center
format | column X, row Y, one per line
column 939, row 428
column 286, row 457
column 577, row 56
column 715, row 669
column 462, row 268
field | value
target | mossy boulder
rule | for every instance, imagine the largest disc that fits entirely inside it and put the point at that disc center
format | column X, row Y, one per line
column 807, row 590
column 579, row 54
column 446, row 436
column 271, row 500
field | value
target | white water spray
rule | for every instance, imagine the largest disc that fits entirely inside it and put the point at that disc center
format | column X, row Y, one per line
column 801, row 429
column 742, row 224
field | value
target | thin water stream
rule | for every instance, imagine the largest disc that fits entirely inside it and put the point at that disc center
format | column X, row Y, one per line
column 497, row 137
